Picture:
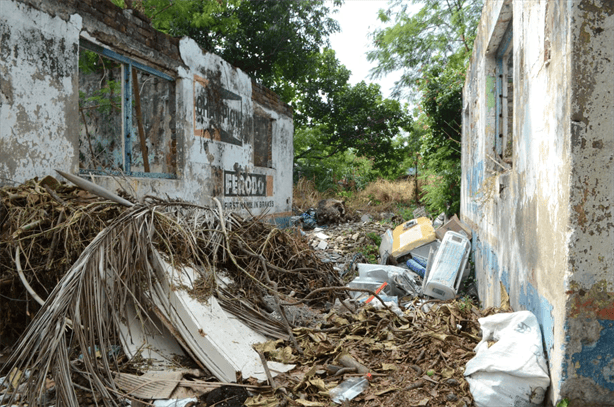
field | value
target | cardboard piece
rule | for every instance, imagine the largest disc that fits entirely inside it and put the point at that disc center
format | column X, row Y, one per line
column 455, row 225
column 150, row 386
column 410, row 235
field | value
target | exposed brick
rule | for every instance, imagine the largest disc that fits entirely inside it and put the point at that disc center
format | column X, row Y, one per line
column 141, row 16
column 109, row 21
column 145, row 32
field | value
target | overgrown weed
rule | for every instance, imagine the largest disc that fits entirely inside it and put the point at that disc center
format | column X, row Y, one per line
column 378, row 196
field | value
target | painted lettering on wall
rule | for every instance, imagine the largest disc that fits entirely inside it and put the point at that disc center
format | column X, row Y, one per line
column 243, row 184
column 218, row 112
column 237, row 205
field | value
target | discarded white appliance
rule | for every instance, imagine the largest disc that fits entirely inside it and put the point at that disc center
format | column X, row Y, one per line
column 400, row 281
column 209, row 335
column 446, row 273
column 424, row 250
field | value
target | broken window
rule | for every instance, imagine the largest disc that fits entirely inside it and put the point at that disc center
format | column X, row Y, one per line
column 127, row 112
column 504, row 59
column 100, row 112
column 263, row 141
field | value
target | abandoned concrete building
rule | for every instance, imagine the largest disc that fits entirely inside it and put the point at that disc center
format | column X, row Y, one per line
column 538, row 179
column 91, row 89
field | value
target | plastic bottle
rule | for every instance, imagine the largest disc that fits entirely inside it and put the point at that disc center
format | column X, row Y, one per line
column 350, row 388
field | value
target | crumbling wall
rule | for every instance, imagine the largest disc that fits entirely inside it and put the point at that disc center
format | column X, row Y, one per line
column 518, row 208
column 38, row 92
column 542, row 221
column 212, row 132
column 589, row 360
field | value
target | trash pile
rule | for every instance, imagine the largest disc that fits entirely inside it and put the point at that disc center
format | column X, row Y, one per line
column 142, row 281
column 414, row 359
column 342, row 244
column 328, row 211
column 109, row 301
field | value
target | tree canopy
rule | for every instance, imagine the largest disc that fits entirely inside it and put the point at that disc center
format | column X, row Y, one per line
column 354, row 117
column 431, row 48
column 441, row 30
column 272, row 41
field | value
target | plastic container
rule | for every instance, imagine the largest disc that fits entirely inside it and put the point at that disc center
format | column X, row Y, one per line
column 371, row 276
column 349, row 389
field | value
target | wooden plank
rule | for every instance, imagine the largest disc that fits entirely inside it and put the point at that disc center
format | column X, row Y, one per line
column 139, row 119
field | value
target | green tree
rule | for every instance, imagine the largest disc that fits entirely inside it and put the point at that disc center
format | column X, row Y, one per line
column 272, row 41
column 325, row 170
column 359, row 118
column 431, row 48
column 441, row 102
column 347, row 118
column 439, row 31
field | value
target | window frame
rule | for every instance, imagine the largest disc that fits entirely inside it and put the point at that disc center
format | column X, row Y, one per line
column 129, row 132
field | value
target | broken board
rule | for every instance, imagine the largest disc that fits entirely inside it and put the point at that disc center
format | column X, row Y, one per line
column 222, row 345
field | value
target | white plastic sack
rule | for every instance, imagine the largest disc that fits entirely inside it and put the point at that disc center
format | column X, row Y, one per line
column 513, row 370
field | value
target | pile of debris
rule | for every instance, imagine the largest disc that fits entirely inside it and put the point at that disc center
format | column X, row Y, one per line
column 341, row 244
column 328, row 211
column 142, row 280
column 119, row 302
column 417, row 358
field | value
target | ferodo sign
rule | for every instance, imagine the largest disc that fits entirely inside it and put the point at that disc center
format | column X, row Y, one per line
column 242, row 184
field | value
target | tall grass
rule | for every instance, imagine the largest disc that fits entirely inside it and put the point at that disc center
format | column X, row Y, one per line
column 378, row 196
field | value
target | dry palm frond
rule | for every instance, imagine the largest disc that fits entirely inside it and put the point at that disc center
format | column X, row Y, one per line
column 115, row 268
column 119, row 265
column 52, row 224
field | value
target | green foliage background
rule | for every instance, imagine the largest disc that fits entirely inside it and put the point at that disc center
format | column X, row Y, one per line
column 431, row 48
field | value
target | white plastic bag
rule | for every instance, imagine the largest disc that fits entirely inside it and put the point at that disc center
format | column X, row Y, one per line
column 513, row 370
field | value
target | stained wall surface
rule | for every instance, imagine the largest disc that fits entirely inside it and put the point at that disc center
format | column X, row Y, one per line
column 38, row 68
column 541, row 213
column 226, row 136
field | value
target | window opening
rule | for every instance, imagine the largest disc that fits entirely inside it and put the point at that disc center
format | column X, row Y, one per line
column 127, row 112
column 263, row 141
column 504, row 57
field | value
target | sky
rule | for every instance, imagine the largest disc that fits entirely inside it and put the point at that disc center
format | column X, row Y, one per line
column 357, row 18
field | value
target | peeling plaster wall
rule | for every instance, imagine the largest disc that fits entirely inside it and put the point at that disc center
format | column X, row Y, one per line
column 38, row 93
column 211, row 163
column 542, row 229
column 589, row 362
column 39, row 107
column 520, row 216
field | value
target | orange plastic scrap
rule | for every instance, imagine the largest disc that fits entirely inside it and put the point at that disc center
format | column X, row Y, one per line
column 381, row 287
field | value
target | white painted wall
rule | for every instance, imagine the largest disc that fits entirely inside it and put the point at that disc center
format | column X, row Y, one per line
column 541, row 228
column 39, row 115
column 38, row 92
